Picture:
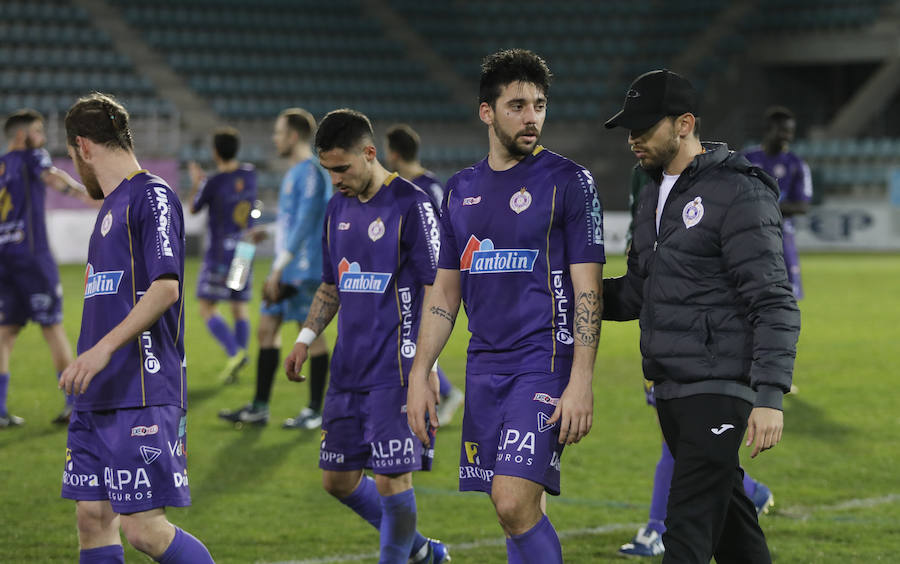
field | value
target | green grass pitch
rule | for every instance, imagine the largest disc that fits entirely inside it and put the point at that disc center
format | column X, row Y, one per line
column 257, row 495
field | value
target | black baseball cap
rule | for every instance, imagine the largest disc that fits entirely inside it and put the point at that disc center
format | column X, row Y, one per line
column 653, row 96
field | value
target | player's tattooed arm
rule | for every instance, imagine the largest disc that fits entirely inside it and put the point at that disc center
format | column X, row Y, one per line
column 442, row 313
column 588, row 312
column 324, row 307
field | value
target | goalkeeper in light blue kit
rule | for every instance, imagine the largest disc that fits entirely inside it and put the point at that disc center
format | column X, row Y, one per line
column 296, row 271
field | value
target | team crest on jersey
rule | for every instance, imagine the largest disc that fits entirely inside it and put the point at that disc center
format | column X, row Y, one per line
column 106, row 224
column 520, row 200
column 239, row 185
column 480, row 257
column 692, row 212
column 101, row 283
column 376, row 230
column 779, row 170
column 352, row 279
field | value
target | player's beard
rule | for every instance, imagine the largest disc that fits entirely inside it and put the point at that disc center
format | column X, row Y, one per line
column 511, row 142
column 89, row 178
column 660, row 158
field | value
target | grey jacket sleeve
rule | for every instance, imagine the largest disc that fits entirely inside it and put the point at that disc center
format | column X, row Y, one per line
column 752, row 250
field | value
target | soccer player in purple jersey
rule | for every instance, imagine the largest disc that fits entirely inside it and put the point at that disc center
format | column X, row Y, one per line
column 296, row 272
column 522, row 247
column 403, row 157
column 229, row 196
column 379, row 248
column 126, row 449
column 29, row 279
column 794, row 181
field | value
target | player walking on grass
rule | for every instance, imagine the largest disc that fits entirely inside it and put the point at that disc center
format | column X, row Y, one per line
column 522, row 247
column 292, row 283
column 379, row 248
column 126, row 449
column 229, row 195
column 403, row 157
column 719, row 323
column 29, row 279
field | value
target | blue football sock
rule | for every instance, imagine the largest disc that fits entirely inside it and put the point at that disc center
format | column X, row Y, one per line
column 222, row 332
column 661, row 482
column 512, row 553
column 110, row 554
column 365, row 501
column 4, row 386
column 398, row 527
column 185, row 549
column 445, row 385
column 539, row 545
column 749, row 485
column 242, row 332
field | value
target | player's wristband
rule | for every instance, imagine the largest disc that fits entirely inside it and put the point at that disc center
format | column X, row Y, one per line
column 282, row 260
column 306, row 336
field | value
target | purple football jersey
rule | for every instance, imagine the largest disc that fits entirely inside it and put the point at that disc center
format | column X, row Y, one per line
column 23, row 229
column 138, row 237
column 512, row 235
column 428, row 182
column 792, row 174
column 230, row 197
column 379, row 254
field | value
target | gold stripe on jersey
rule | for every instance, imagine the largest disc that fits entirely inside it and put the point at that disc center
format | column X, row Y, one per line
column 135, row 173
column 390, row 178
column 550, row 281
column 537, row 149
column 134, row 302
column 183, row 374
column 399, row 310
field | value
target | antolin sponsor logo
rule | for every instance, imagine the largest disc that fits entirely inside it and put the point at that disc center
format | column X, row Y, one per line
column 352, row 279
column 480, row 257
column 101, row 283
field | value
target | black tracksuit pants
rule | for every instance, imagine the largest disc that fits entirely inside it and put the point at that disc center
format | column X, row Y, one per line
column 708, row 512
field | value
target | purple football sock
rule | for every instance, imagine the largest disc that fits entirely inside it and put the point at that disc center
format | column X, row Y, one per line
column 242, row 332
column 749, row 484
column 445, row 385
column 185, row 549
column 512, row 553
column 398, row 527
column 539, row 545
column 110, row 554
column 4, row 386
column 223, row 334
column 365, row 501
column 661, row 482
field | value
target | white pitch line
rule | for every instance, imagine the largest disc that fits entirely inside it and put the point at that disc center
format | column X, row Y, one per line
column 797, row 511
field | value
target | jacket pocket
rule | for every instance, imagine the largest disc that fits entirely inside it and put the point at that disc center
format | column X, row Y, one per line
column 709, row 340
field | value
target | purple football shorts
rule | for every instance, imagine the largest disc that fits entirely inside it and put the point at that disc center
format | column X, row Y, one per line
column 505, row 430
column 370, row 430
column 135, row 458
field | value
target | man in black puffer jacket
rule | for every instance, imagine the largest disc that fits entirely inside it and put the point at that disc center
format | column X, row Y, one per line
column 719, row 323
